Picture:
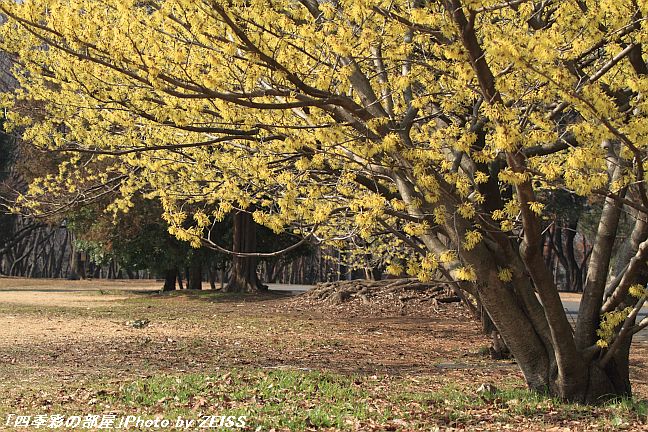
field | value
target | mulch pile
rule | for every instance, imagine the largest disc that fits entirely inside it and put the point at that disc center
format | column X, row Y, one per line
column 404, row 297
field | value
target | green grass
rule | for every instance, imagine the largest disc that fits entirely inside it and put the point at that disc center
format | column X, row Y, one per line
column 296, row 400
column 625, row 411
column 281, row 399
column 508, row 404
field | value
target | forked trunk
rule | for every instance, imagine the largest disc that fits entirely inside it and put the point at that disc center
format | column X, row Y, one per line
column 535, row 352
column 532, row 322
column 524, row 304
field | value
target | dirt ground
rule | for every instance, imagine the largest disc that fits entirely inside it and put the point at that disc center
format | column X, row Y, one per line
column 57, row 334
column 83, row 326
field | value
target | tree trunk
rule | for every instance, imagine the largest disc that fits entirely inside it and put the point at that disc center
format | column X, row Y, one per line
column 76, row 266
column 271, row 273
column 243, row 275
column 179, row 277
column 548, row 365
column 498, row 349
column 170, row 280
column 222, row 274
column 58, row 271
column 194, row 281
column 211, row 273
column 573, row 269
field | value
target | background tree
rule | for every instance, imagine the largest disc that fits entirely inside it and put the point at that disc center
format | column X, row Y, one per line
column 136, row 241
column 251, row 245
column 243, row 275
column 441, row 122
column 6, row 161
column 566, row 247
column 28, row 246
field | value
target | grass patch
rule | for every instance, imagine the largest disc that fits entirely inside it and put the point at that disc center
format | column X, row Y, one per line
column 459, row 407
column 295, row 400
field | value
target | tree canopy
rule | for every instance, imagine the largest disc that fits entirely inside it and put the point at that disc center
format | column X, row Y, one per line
column 436, row 121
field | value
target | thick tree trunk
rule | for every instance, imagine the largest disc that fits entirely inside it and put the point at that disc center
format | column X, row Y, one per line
column 544, row 370
column 170, row 279
column 194, row 281
column 243, row 275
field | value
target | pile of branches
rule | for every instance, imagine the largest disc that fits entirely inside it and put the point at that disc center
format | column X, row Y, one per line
column 385, row 297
